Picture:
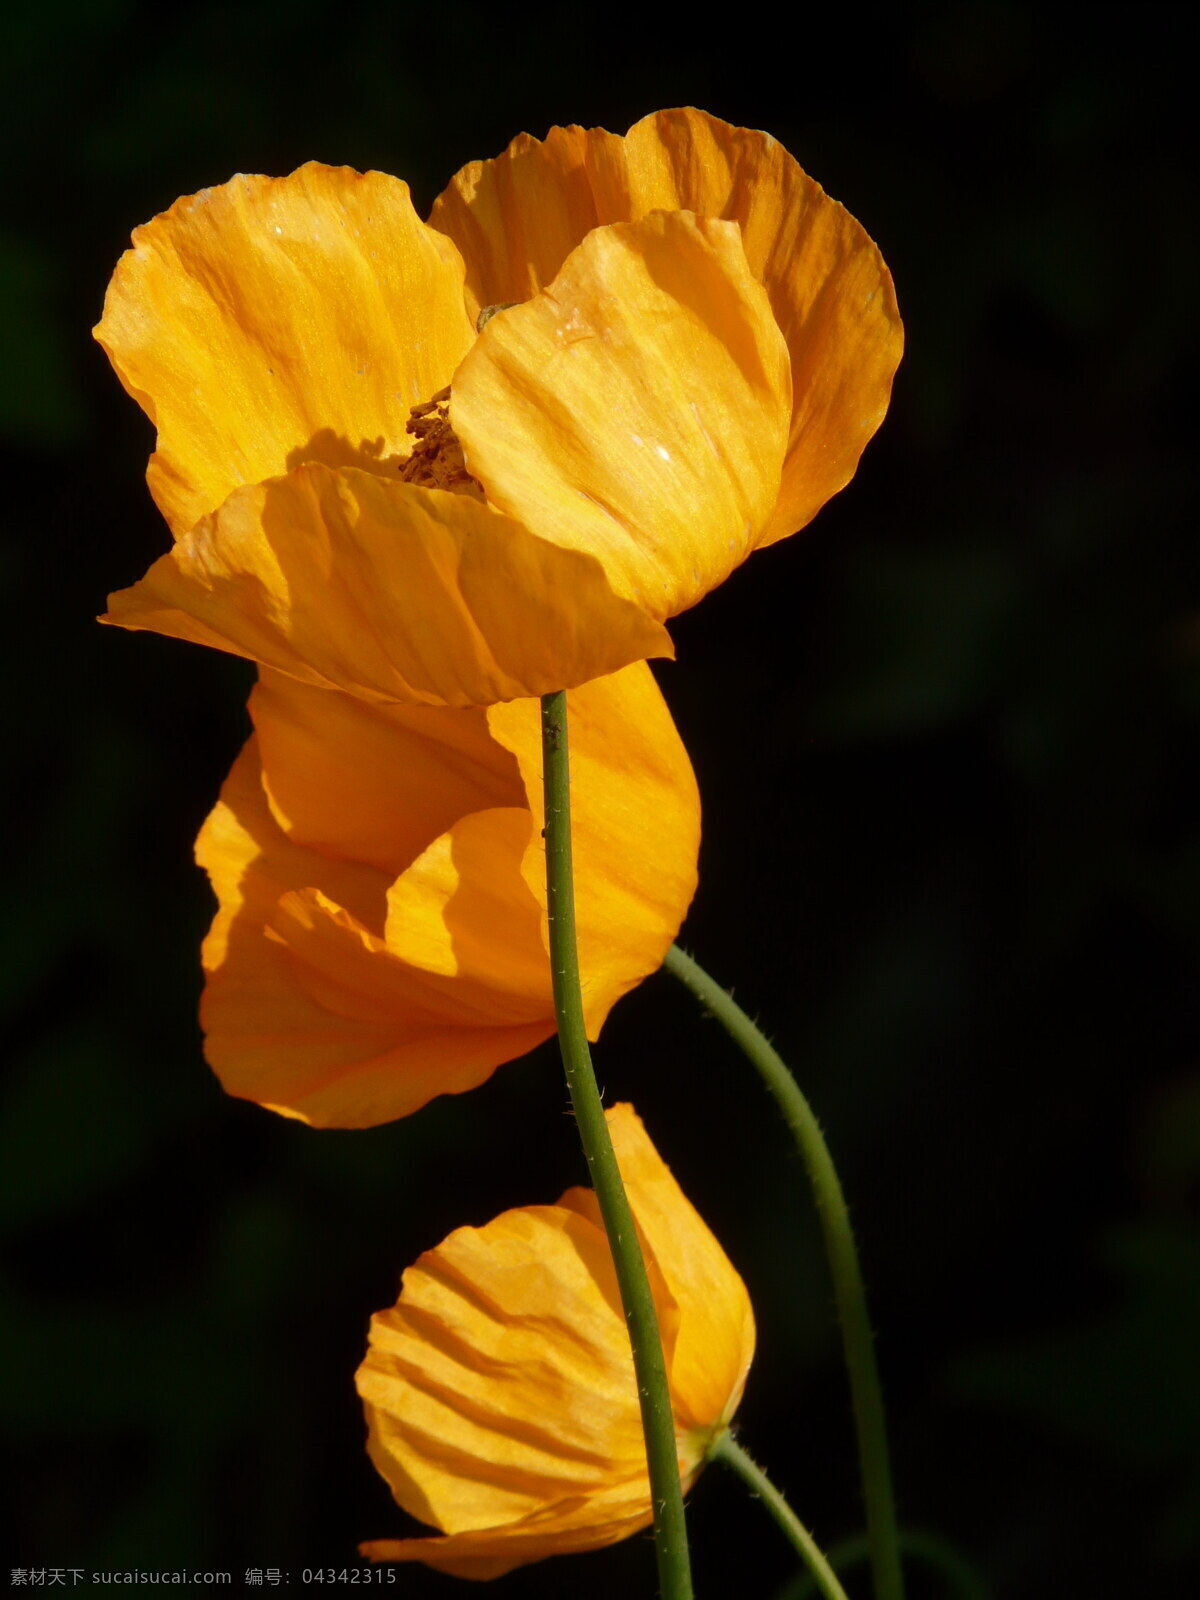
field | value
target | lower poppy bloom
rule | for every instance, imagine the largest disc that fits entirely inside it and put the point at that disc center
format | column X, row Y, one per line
column 381, row 934
column 499, row 1390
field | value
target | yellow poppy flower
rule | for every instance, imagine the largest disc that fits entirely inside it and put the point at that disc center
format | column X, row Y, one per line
column 695, row 344
column 499, row 1390
column 381, row 934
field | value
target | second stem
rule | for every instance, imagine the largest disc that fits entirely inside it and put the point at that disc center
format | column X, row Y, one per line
column 850, row 1294
column 658, row 1422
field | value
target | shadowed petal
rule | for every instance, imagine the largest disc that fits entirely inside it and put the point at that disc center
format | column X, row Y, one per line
column 311, row 1017
column 362, row 961
column 306, row 1008
column 464, row 911
column 374, row 783
column 516, row 219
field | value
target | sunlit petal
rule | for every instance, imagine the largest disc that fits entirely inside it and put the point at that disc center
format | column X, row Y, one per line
column 273, row 321
column 501, row 1380
column 637, row 409
column 500, row 1392
column 517, row 218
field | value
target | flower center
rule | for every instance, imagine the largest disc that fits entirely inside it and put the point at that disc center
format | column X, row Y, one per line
column 437, row 460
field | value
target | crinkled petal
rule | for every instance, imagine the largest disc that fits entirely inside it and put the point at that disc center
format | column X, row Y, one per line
column 517, row 218
column 635, row 826
column 830, row 290
column 273, row 321
column 393, row 593
column 637, row 409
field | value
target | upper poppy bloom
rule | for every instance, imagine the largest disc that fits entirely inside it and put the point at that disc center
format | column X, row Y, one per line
column 500, row 1392
column 381, row 874
column 375, row 485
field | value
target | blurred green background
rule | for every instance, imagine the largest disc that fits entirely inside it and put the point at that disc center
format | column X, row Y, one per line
column 947, row 742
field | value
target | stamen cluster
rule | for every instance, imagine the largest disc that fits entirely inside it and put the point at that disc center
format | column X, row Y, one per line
column 437, row 460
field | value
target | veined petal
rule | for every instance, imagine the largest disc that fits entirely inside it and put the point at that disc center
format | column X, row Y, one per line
column 517, row 218
column 500, row 1391
column 273, row 321
column 375, row 784
column 391, row 592
column 502, row 1381
column 635, row 826
column 637, row 409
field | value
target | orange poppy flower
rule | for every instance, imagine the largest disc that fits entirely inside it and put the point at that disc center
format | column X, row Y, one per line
column 499, row 1390
column 695, row 344
column 380, row 871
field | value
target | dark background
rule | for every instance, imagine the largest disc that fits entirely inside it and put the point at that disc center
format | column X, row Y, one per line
column 947, row 742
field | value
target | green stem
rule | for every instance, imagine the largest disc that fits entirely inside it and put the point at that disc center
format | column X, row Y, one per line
column 658, row 1422
column 925, row 1548
column 849, row 1293
column 731, row 1453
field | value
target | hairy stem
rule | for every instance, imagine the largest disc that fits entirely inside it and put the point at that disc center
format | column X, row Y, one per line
column 821, row 1573
column 849, row 1292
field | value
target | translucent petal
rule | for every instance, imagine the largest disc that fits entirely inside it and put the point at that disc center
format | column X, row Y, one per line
column 391, row 592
